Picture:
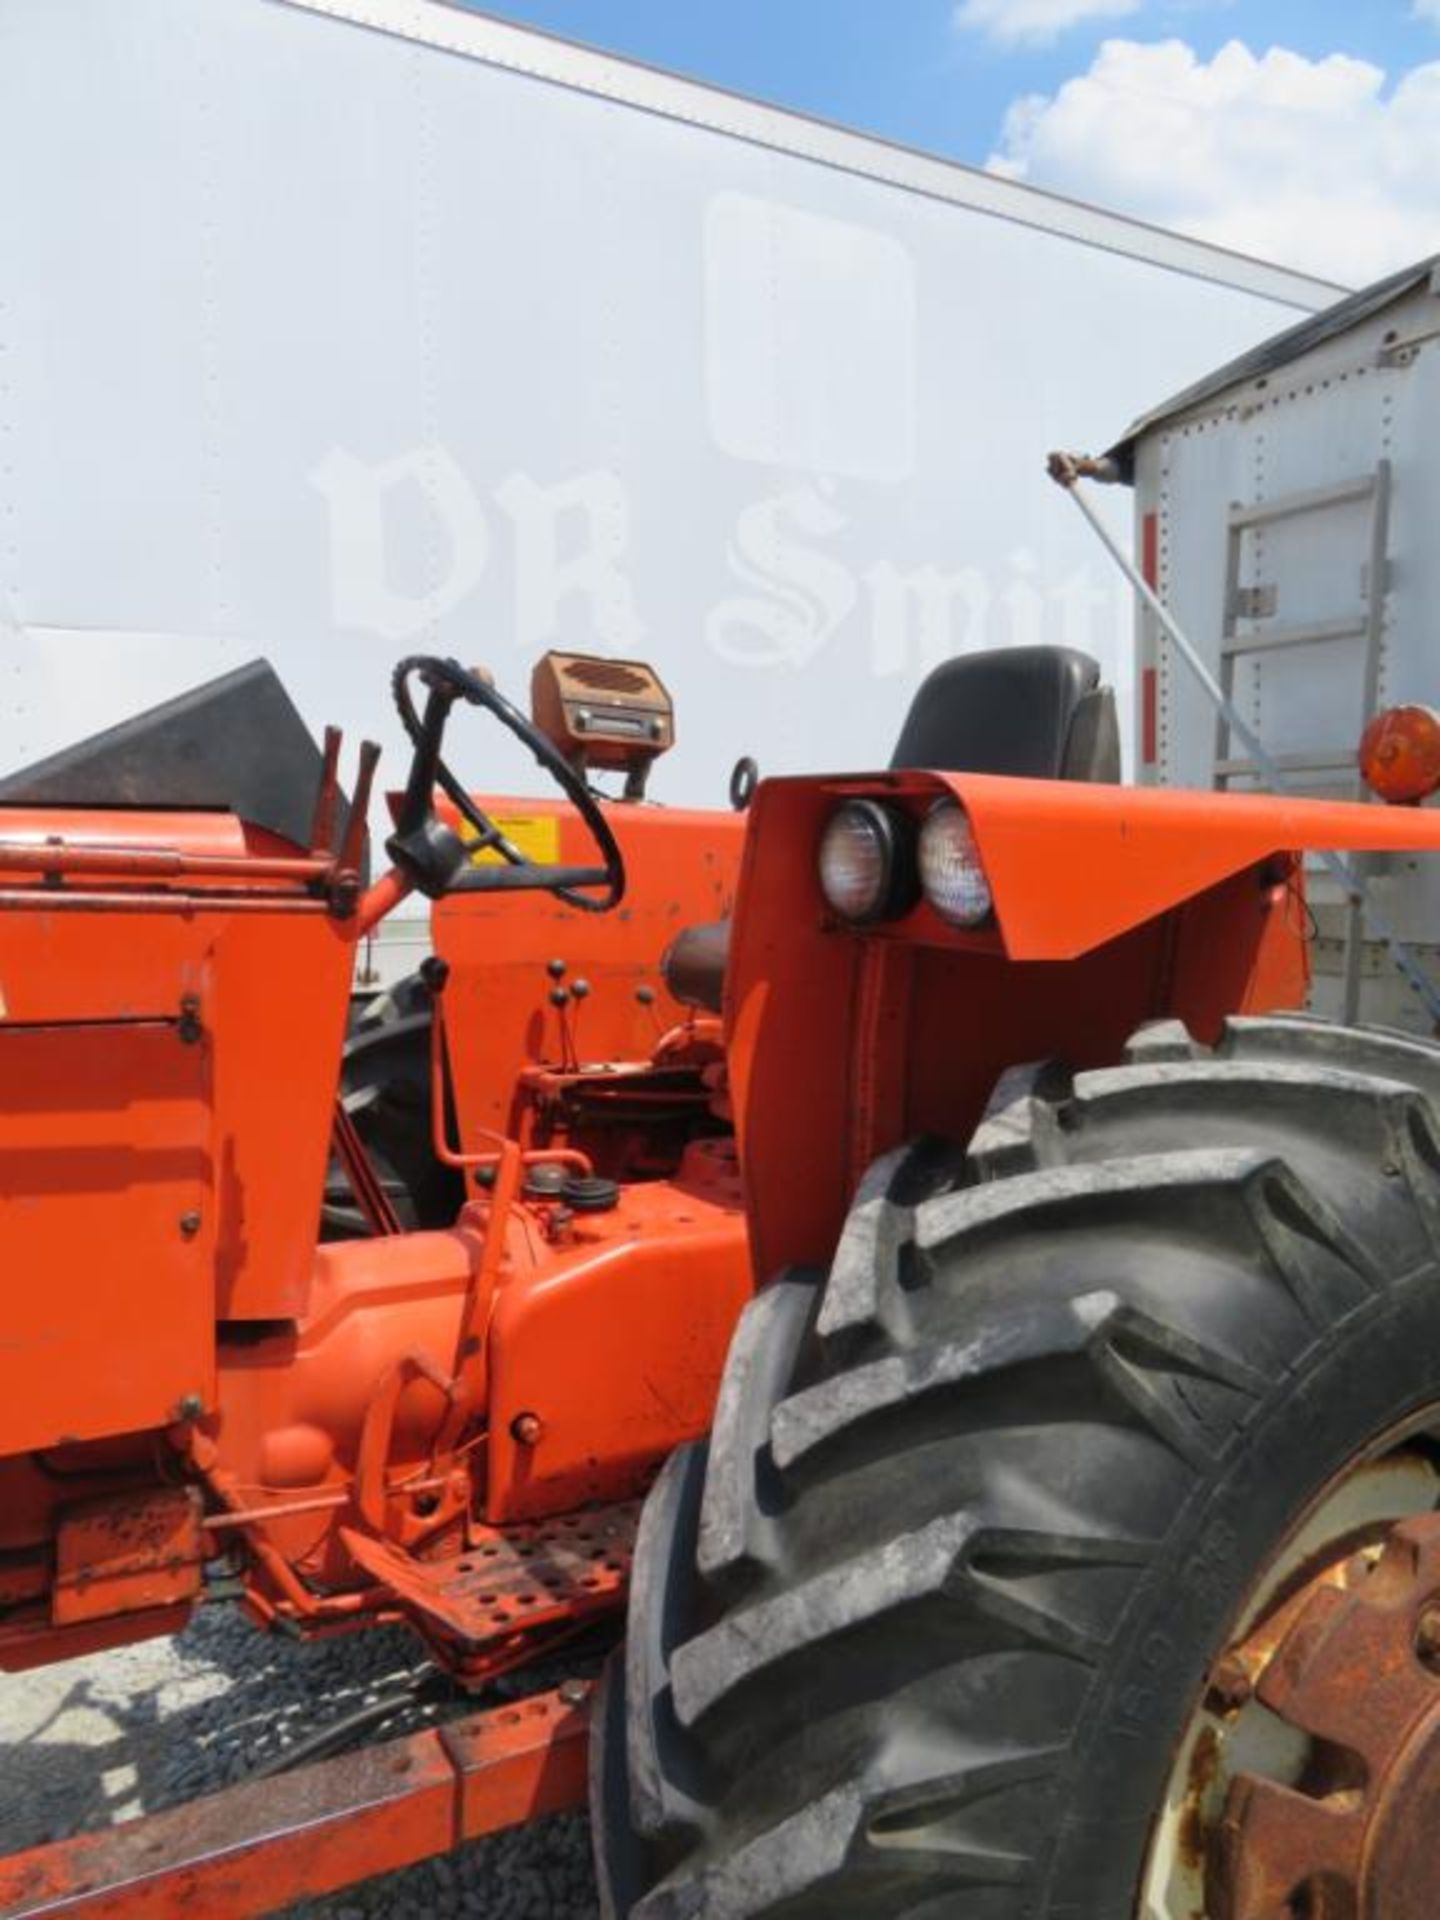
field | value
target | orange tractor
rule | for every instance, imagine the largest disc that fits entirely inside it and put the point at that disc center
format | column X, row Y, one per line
column 1065, row 1540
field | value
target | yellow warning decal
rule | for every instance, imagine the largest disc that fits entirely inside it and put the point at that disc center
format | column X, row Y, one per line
column 537, row 835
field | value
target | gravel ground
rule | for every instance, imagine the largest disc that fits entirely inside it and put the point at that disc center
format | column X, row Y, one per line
column 92, row 1742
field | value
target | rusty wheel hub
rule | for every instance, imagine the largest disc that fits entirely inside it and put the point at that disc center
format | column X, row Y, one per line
column 1353, row 1674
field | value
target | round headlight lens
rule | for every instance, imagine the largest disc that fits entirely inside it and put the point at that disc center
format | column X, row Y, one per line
column 950, row 871
column 857, row 860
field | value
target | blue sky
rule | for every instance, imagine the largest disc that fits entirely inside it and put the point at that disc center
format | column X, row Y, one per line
column 1301, row 129
column 903, row 69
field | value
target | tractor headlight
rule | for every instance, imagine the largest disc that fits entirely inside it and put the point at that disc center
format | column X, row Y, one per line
column 865, row 874
column 950, row 871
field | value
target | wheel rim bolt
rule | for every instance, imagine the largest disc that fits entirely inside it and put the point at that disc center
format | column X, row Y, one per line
column 1231, row 1686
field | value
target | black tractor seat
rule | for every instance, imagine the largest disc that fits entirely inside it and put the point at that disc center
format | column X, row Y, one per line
column 1038, row 713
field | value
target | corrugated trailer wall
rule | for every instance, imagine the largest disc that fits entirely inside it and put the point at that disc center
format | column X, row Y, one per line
column 1319, row 428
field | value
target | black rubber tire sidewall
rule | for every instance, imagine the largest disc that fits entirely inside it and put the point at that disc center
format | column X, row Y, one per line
column 1367, row 1376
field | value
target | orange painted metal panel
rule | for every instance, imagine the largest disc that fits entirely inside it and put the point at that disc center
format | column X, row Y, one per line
column 128, row 1553
column 616, row 1342
column 106, row 1230
column 214, row 833
column 269, row 992
column 25, row 1644
column 67, row 966
column 1113, row 906
column 280, row 996
column 1073, row 865
column 682, row 868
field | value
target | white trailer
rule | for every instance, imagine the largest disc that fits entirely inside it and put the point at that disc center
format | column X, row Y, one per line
column 338, row 329
column 1286, row 513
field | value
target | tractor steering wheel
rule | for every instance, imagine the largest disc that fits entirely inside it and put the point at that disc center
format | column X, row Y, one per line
column 433, row 855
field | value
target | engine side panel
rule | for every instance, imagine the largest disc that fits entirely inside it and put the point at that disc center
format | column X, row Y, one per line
column 106, row 1164
column 508, row 954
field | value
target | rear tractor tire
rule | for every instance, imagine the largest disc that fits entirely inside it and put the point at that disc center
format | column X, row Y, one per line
column 385, row 1085
column 1069, row 1550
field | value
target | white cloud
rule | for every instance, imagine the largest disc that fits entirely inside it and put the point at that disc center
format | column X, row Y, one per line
column 1315, row 163
column 1427, row 10
column 1037, row 22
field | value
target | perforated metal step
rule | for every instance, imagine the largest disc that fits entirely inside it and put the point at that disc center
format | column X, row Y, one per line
column 512, row 1584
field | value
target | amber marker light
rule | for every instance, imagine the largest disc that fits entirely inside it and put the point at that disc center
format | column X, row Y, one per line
column 1400, row 755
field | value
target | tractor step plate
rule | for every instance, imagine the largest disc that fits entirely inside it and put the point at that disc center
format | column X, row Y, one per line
column 511, row 1582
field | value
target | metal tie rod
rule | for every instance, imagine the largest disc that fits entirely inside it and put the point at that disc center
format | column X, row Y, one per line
column 1067, row 469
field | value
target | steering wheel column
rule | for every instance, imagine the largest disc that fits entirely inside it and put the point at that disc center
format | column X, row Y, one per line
column 433, row 856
